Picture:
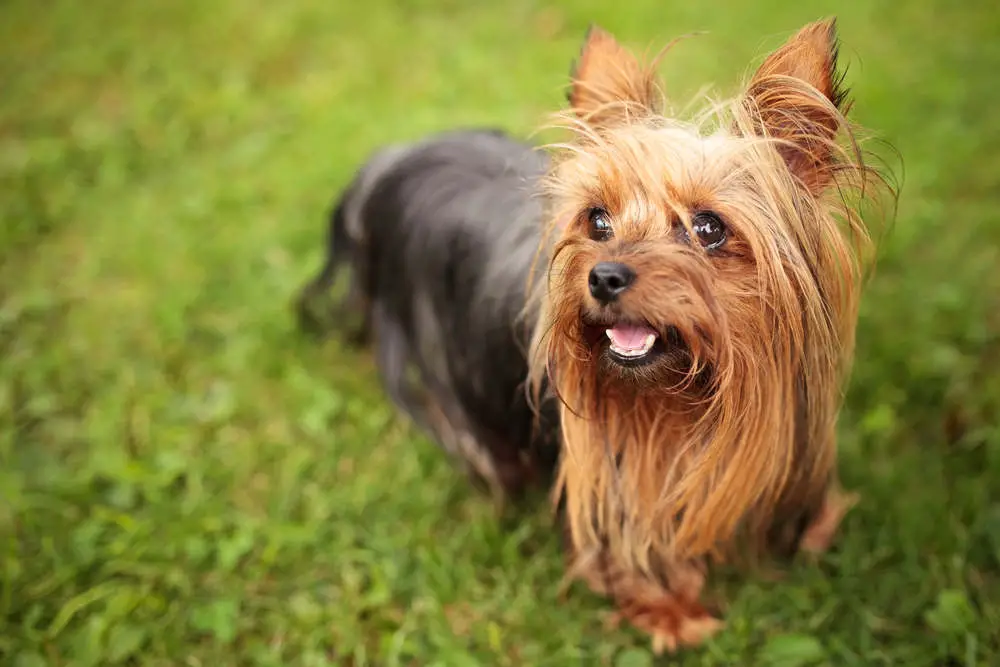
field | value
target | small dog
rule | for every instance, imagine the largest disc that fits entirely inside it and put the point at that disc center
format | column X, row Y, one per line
column 680, row 298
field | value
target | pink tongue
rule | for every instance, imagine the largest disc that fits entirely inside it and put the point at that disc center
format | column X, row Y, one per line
column 629, row 337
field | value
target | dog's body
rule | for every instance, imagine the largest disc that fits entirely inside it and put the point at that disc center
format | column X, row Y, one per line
column 692, row 320
column 440, row 236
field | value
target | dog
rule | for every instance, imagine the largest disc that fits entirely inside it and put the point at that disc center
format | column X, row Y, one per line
column 668, row 305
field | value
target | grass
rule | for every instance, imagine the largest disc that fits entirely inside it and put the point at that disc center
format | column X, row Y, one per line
column 185, row 480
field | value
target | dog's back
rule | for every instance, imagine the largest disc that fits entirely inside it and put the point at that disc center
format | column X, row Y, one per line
column 442, row 234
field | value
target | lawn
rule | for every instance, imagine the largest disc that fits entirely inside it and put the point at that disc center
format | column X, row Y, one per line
column 187, row 480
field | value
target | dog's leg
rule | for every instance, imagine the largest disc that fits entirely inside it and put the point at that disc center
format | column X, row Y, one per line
column 672, row 617
column 454, row 436
column 393, row 359
column 496, row 466
column 820, row 533
column 434, row 411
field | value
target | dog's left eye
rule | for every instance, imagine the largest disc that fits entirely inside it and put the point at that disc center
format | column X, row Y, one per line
column 600, row 225
column 710, row 229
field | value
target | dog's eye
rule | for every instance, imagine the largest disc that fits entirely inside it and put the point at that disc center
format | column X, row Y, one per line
column 600, row 225
column 710, row 229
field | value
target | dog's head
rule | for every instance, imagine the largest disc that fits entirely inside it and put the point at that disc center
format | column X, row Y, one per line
column 705, row 274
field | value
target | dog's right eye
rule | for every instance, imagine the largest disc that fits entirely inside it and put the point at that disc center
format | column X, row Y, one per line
column 600, row 225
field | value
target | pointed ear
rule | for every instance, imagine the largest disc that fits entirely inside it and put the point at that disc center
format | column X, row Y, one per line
column 608, row 83
column 796, row 96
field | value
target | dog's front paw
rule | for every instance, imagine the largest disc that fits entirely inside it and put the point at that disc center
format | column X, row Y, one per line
column 670, row 622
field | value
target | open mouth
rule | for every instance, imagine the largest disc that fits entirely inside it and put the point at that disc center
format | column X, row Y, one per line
column 626, row 347
column 631, row 343
column 624, row 343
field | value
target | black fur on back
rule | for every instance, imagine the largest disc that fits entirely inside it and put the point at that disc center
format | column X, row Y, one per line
column 440, row 236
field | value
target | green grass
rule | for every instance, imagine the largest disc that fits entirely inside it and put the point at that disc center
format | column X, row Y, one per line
column 185, row 480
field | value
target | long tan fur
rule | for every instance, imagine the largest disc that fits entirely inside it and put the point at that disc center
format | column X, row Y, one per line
column 721, row 451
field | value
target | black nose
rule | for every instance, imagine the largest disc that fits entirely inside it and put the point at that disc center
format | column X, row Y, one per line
column 609, row 279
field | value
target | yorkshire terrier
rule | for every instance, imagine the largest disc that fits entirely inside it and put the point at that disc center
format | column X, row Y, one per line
column 674, row 303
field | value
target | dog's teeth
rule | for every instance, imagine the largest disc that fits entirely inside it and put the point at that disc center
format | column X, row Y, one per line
column 630, row 352
column 641, row 350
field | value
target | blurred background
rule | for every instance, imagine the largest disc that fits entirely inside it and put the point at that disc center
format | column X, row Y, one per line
column 185, row 480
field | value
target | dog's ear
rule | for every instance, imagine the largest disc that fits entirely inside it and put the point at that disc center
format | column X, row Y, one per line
column 608, row 84
column 796, row 96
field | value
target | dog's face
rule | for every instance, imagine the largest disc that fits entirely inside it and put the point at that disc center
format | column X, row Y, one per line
column 656, row 264
column 686, row 256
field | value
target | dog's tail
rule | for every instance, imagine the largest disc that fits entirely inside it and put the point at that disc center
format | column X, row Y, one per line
column 347, row 244
column 313, row 299
column 339, row 246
